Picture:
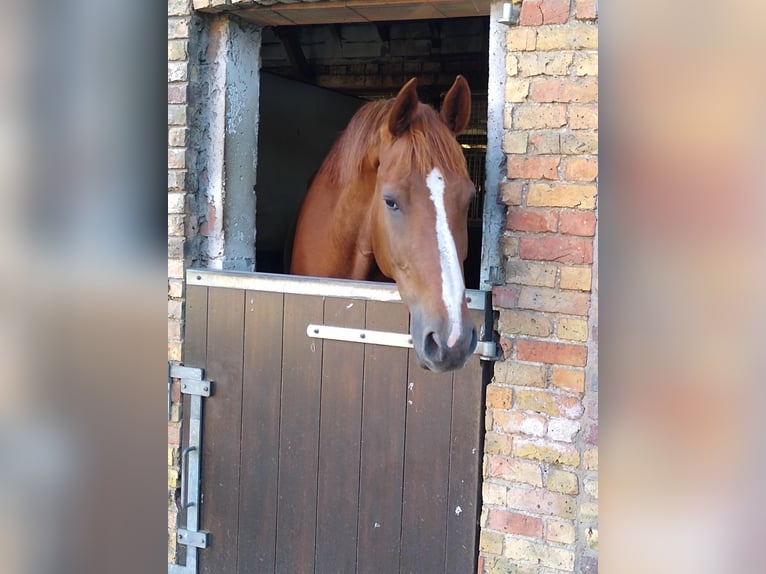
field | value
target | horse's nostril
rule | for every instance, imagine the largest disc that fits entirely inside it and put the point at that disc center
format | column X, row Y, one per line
column 430, row 346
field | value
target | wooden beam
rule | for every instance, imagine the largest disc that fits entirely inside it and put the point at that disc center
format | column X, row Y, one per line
column 289, row 38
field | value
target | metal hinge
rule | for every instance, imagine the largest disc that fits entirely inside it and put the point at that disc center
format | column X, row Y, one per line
column 193, row 384
column 487, row 350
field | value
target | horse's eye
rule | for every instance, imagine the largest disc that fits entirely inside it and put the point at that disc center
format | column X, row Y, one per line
column 391, row 204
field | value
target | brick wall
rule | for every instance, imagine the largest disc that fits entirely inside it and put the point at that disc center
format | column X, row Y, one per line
column 179, row 20
column 540, row 488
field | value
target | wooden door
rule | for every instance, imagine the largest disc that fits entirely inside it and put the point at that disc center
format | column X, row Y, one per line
column 323, row 456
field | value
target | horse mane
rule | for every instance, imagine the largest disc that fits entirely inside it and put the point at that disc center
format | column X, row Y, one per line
column 431, row 142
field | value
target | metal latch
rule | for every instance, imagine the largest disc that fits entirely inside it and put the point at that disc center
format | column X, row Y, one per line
column 193, row 384
column 487, row 350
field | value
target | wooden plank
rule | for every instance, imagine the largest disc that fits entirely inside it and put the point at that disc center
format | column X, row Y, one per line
column 195, row 331
column 221, row 430
column 298, row 436
column 260, row 431
column 426, row 471
column 382, row 455
column 339, row 438
column 465, row 466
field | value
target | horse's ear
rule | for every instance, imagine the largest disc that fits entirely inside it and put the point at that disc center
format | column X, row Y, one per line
column 404, row 108
column 456, row 110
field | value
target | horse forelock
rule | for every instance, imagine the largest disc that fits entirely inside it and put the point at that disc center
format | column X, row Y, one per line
column 431, row 143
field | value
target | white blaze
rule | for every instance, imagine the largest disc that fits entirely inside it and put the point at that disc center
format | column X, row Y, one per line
column 453, row 288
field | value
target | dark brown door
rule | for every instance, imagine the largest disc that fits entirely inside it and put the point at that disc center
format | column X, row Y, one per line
column 324, row 456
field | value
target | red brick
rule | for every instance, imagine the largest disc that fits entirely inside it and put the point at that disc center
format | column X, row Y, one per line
column 532, row 220
column 551, row 353
column 513, row 523
column 582, row 224
column 504, row 297
column 177, row 158
column 547, row 90
column 535, row 167
column 553, row 301
column 174, row 434
column 561, row 249
column 586, row 9
column 177, row 93
column 581, row 169
column 514, row 470
column 541, row 501
column 537, row 12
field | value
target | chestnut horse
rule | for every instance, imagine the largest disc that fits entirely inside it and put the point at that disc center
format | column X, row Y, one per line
column 391, row 201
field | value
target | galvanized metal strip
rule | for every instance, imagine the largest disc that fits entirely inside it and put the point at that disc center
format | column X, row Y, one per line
column 198, row 539
column 299, row 285
column 486, row 349
column 182, row 372
column 359, row 335
column 194, row 387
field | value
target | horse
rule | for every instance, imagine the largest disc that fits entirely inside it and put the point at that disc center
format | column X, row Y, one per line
column 390, row 202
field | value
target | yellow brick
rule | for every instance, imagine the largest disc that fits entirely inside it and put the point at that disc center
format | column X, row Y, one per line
column 572, row 329
column 591, row 536
column 172, row 456
column 590, row 459
column 510, row 191
column 524, row 323
column 175, row 413
column 521, row 374
column 521, row 38
column 560, row 531
column 578, row 143
column 568, row 379
column 591, row 487
column 492, row 493
column 548, row 63
column 510, row 246
column 583, row 116
column 495, row 443
column 514, row 422
column 515, row 142
column 588, row 512
column 547, row 556
column 552, row 453
column 572, row 37
column 549, row 403
column 172, row 478
column 577, row 278
column 174, row 351
column 491, row 542
column 586, row 64
column 562, row 481
column 177, row 50
column 516, row 90
column 511, row 65
column 542, row 116
column 499, row 397
column 175, row 268
column 531, row 273
column 581, row 196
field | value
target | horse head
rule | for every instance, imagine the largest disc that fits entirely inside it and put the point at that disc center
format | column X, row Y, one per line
column 419, row 220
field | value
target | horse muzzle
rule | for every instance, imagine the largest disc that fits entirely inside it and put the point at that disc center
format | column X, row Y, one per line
column 431, row 337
